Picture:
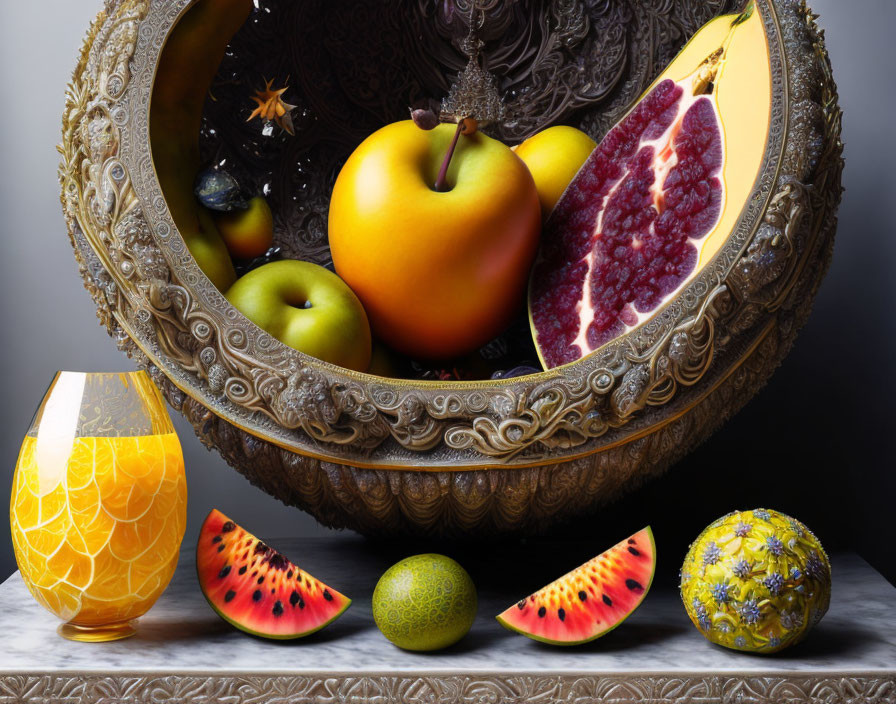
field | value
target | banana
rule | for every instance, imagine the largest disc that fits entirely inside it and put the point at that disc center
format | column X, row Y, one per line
column 187, row 66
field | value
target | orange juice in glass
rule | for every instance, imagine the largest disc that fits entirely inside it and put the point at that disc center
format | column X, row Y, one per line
column 99, row 502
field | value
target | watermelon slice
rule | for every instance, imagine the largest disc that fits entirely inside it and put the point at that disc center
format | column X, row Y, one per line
column 256, row 589
column 591, row 600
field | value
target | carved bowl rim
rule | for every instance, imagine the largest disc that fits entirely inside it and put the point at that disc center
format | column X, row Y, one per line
column 426, row 384
column 609, row 364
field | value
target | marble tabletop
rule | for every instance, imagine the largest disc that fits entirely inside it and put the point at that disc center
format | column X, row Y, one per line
column 184, row 653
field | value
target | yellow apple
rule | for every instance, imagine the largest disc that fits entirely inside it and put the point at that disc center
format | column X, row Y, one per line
column 247, row 233
column 308, row 308
column 440, row 269
column 554, row 156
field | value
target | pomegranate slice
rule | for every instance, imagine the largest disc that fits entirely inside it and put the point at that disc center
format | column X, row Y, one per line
column 627, row 233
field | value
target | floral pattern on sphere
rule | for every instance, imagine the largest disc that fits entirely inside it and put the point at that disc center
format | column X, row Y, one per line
column 756, row 585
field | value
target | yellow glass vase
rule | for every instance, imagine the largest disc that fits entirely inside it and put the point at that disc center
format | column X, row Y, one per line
column 99, row 502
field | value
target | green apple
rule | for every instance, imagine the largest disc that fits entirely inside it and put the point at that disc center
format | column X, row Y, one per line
column 308, row 308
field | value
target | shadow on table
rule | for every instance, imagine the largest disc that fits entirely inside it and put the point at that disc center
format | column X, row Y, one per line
column 625, row 637
column 475, row 641
column 832, row 641
column 163, row 632
column 203, row 629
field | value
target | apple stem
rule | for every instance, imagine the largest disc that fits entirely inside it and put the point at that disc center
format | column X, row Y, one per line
column 442, row 179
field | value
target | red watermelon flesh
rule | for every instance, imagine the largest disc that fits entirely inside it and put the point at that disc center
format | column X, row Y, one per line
column 591, row 600
column 256, row 589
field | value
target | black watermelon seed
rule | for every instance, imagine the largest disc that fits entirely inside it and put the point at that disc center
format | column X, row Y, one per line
column 294, row 598
column 260, row 547
column 278, row 609
column 633, row 551
column 243, row 569
column 273, row 590
column 633, row 585
column 260, row 579
column 582, row 596
column 220, row 547
column 327, row 595
column 607, row 600
column 227, row 527
column 562, row 614
column 521, row 604
column 229, row 596
column 256, row 595
column 289, row 575
column 225, row 570
column 301, row 602
column 631, row 541
column 541, row 612
column 216, row 539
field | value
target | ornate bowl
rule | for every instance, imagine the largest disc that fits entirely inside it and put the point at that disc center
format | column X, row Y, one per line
column 399, row 456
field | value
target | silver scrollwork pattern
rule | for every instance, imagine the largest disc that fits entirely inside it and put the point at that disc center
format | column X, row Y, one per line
column 449, row 689
column 638, row 403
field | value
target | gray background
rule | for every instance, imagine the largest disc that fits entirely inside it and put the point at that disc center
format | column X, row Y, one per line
column 816, row 443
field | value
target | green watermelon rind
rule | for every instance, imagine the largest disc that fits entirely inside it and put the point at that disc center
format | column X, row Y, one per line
column 260, row 634
column 270, row 636
column 601, row 634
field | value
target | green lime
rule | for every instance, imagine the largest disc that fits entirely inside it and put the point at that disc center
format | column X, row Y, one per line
column 424, row 602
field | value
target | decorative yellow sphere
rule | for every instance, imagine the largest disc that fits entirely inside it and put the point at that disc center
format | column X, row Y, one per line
column 756, row 581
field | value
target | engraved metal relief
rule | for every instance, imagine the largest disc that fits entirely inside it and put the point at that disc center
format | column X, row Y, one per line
column 297, row 426
column 444, row 689
column 97, row 195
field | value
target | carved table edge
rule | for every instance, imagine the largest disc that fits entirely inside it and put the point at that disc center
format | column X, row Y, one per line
column 479, row 687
